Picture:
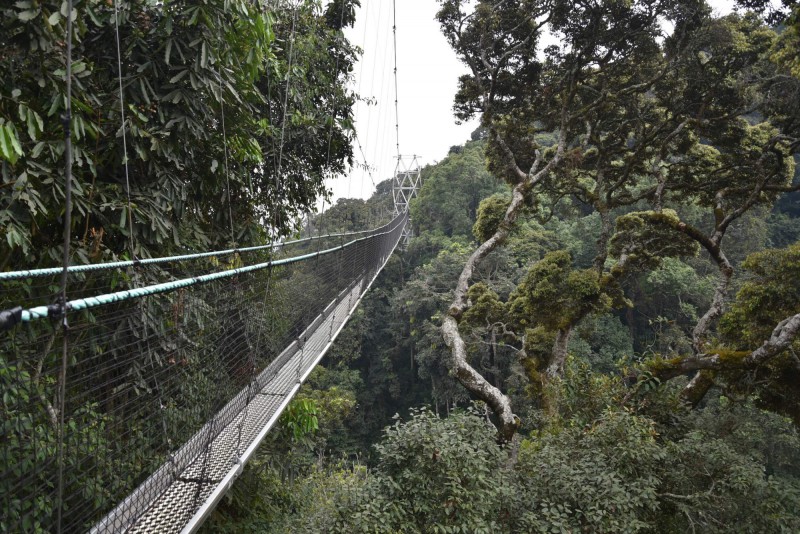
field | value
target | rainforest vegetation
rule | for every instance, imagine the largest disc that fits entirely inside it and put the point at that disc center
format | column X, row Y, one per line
column 594, row 327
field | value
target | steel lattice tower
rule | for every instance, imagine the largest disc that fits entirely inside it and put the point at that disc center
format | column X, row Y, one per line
column 405, row 185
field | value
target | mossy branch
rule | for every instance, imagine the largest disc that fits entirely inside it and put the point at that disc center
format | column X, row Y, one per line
column 783, row 335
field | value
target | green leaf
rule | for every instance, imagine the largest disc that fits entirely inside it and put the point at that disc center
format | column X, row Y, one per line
column 193, row 18
column 39, row 121
column 178, row 77
column 167, row 51
column 78, row 67
column 54, row 18
column 26, row 16
column 37, row 150
column 13, row 140
column 54, row 106
column 93, row 16
column 31, row 125
column 6, row 151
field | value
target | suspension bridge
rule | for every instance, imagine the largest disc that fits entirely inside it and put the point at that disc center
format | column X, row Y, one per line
column 135, row 392
column 178, row 381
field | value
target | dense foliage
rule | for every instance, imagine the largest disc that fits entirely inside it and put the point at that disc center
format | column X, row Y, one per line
column 672, row 128
column 606, row 280
column 615, row 453
column 214, row 144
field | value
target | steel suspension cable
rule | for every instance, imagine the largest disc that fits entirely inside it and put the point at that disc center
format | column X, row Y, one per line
column 124, row 130
column 41, row 312
column 73, row 269
column 396, row 95
column 62, row 376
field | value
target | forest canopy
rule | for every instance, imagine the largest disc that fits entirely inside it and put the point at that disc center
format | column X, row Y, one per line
column 608, row 267
column 672, row 127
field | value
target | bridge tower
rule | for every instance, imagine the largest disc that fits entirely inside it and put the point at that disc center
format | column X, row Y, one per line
column 405, row 185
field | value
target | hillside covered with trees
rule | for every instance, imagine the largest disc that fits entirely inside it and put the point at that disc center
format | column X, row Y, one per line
column 593, row 329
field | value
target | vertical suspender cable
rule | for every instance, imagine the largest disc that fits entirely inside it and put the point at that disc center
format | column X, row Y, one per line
column 335, row 78
column 358, row 93
column 123, row 126
column 289, row 65
column 276, row 170
column 396, row 110
column 225, row 144
column 219, row 394
column 381, row 148
column 372, row 83
column 328, row 162
column 62, row 377
column 286, row 95
column 330, row 129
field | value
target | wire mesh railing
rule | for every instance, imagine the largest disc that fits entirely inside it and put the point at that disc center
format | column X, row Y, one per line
column 175, row 372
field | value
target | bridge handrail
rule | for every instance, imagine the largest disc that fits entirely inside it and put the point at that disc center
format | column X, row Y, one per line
column 92, row 267
column 11, row 317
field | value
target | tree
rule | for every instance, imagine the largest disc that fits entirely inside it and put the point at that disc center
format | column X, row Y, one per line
column 451, row 192
column 606, row 470
column 636, row 121
column 433, row 474
column 211, row 133
column 752, row 353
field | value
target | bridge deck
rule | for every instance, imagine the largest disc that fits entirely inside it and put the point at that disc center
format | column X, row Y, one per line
column 181, row 493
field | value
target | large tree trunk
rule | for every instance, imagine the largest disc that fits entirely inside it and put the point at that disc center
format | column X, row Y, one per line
column 556, row 366
column 476, row 384
column 507, row 422
column 700, row 332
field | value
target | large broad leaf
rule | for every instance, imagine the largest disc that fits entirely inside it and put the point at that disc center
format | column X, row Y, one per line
column 10, row 148
column 28, row 15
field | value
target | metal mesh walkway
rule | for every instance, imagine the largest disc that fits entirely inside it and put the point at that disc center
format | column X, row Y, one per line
column 202, row 470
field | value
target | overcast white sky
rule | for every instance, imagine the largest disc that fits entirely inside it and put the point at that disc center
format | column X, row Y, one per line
column 427, row 70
